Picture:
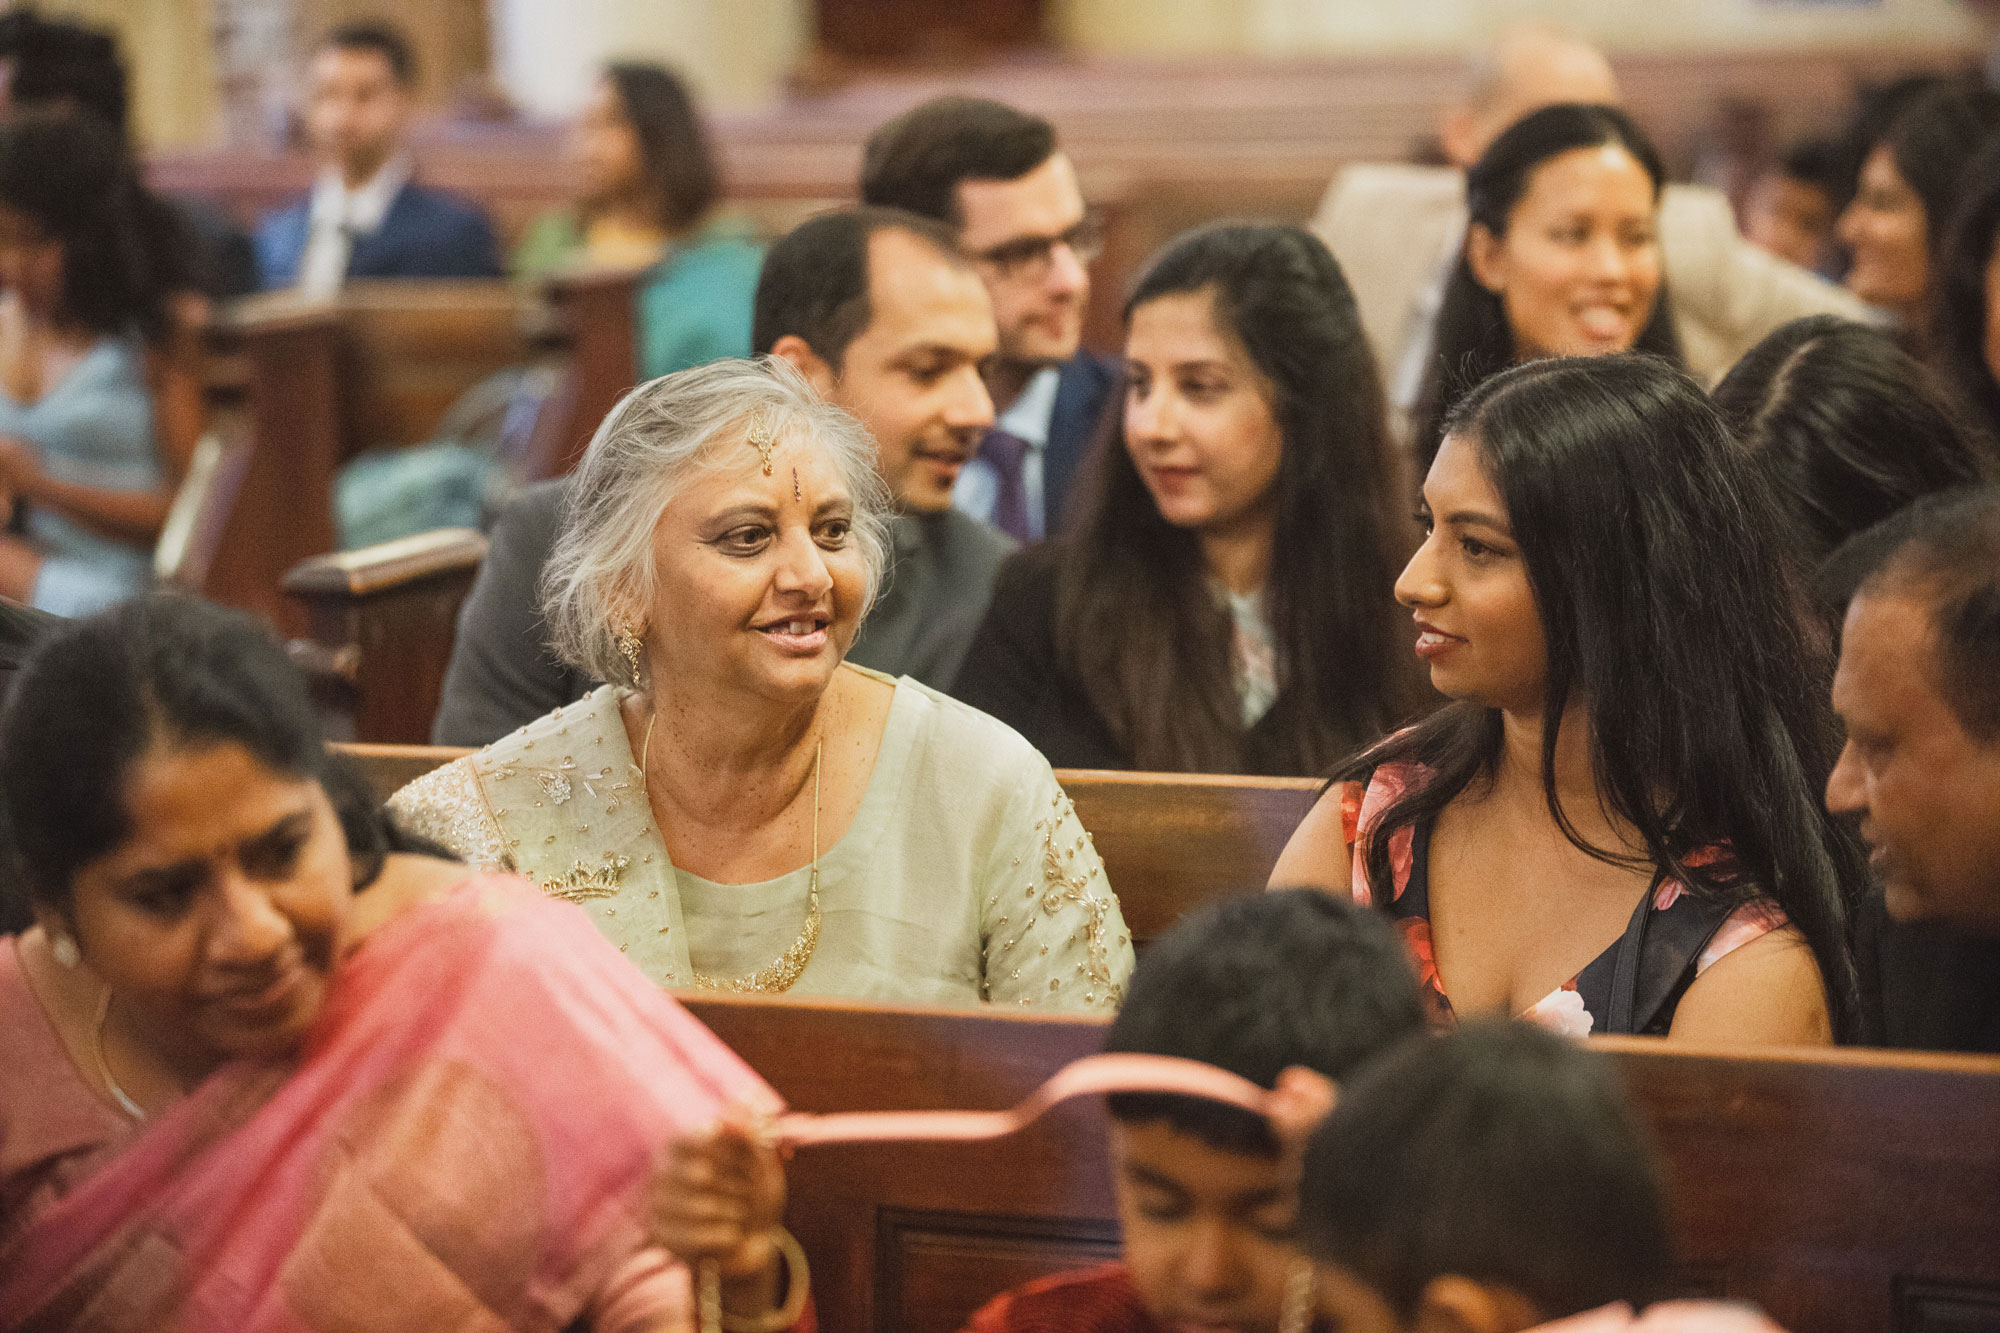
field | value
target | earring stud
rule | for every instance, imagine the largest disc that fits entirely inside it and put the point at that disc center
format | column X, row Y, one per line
column 64, row 950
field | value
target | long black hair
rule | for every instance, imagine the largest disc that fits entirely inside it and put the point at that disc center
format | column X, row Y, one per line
column 1959, row 316
column 1472, row 339
column 96, row 694
column 1136, row 622
column 1847, row 428
column 1931, row 139
column 1672, row 609
column 67, row 172
column 678, row 160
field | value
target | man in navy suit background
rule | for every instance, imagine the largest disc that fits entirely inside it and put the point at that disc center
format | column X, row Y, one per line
column 996, row 176
column 365, row 218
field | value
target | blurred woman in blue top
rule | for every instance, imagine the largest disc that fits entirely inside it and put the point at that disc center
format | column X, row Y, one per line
column 81, row 319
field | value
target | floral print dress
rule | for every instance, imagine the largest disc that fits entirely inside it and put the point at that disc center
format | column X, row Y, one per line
column 1632, row 987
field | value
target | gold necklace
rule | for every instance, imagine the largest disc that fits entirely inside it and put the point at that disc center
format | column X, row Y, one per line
column 785, row 969
column 118, row 1094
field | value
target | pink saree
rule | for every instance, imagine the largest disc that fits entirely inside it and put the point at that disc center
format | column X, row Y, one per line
column 464, row 1144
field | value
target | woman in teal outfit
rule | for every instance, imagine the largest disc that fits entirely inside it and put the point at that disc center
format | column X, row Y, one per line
column 649, row 187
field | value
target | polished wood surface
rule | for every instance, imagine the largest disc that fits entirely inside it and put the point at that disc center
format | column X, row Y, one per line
column 387, row 617
column 1170, row 841
column 1842, row 1191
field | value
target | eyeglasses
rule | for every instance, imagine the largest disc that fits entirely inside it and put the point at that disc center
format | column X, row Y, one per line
column 1030, row 256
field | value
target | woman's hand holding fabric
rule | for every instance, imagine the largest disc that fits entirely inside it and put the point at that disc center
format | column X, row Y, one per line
column 719, row 1197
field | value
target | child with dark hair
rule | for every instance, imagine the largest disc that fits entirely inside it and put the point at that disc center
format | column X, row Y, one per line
column 1485, row 1182
column 1290, row 989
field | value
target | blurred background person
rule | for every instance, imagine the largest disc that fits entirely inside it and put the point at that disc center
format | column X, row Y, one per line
column 1790, row 210
column 1912, row 176
column 83, row 326
column 1966, row 313
column 365, row 217
column 1397, row 229
column 647, row 198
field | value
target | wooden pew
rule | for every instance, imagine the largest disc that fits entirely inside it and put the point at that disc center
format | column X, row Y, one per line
column 385, row 619
column 1842, row 1191
column 1170, row 841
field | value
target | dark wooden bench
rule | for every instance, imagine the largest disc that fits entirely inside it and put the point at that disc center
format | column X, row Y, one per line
column 1170, row 841
column 1842, row 1191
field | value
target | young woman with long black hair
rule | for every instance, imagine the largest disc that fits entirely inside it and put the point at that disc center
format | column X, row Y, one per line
column 1616, row 824
column 1219, row 600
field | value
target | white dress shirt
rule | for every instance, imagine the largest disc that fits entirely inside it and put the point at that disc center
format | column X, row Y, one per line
column 338, row 215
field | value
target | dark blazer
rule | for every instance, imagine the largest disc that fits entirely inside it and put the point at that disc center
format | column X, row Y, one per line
column 1085, row 384
column 425, row 234
column 502, row 674
column 1012, row 671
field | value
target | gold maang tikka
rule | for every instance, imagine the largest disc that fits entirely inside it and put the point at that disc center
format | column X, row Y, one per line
column 797, row 494
column 763, row 439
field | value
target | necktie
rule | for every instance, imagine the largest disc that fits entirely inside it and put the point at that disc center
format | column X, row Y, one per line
column 1005, row 454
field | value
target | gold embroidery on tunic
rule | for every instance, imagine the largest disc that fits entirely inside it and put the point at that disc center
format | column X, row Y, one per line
column 583, row 882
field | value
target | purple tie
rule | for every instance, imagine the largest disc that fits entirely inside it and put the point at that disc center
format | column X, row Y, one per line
column 1004, row 453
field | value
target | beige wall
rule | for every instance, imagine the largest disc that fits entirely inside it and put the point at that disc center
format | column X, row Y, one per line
column 168, row 45
column 735, row 52
column 1352, row 27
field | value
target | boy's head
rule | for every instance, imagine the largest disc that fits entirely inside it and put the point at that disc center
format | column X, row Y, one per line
column 1482, row 1182
column 1295, row 979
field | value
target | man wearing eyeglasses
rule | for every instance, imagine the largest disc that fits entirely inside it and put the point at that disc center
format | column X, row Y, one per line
column 996, row 176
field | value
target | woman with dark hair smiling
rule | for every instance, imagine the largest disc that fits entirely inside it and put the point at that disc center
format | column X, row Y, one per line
column 270, row 1064
column 1615, row 826
column 1561, row 257
column 1217, row 602
column 649, row 185
column 1912, row 177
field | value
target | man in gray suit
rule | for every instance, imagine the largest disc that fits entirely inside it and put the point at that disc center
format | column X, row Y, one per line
column 1396, row 229
column 878, row 309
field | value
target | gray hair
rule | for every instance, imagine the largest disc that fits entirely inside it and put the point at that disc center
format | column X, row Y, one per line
column 654, row 442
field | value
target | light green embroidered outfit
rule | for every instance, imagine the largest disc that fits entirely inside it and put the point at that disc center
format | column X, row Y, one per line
column 964, row 876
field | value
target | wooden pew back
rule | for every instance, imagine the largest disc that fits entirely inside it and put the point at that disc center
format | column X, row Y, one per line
column 1170, row 841
column 1839, row 1190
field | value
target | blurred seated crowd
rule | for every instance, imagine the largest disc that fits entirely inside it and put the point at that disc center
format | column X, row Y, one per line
column 1627, row 574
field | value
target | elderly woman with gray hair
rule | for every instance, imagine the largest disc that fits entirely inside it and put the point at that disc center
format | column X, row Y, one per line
column 740, row 810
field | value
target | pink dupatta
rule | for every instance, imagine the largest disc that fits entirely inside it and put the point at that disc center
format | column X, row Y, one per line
column 464, row 1144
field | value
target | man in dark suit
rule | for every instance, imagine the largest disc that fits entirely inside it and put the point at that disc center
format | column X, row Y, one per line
column 882, row 314
column 1918, row 689
column 997, row 177
column 365, row 218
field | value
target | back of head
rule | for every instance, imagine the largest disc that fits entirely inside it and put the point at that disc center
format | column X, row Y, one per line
column 917, row 160
column 96, row 694
column 1339, row 505
column 1945, row 551
column 680, row 164
column 376, row 38
column 1846, row 427
column 814, row 283
column 56, row 62
column 68, row 172
column 1255, row 985
column 1497, row 1153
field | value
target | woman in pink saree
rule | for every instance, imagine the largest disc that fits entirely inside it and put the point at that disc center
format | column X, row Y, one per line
column 262, row 1070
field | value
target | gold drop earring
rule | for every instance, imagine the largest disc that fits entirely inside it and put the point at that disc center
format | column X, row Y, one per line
column 629, row 646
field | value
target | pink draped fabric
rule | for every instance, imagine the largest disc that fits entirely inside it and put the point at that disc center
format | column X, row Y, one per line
column 464, row 1144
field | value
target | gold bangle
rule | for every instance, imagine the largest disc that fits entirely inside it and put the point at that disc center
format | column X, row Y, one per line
column 799, row 1279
